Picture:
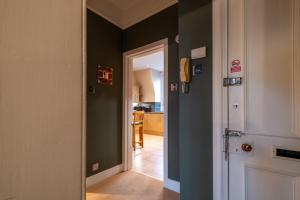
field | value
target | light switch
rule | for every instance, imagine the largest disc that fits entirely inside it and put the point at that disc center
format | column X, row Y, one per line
column 92, row 89
column 173, row 87
column 198, row 53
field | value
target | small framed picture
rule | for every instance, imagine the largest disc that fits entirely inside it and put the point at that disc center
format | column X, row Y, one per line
column 105, row 75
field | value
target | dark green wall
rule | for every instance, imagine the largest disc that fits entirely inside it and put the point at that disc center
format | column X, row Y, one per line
column 104, row 108
column 190, row 115
column 195, row 30
column 157, row 27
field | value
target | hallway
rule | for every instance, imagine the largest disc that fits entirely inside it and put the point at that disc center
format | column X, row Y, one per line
column 130, row 186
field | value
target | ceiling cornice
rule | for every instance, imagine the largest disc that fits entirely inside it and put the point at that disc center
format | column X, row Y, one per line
column 110, row 19
column 106, row 10
column 131, row 16
column 143, row 10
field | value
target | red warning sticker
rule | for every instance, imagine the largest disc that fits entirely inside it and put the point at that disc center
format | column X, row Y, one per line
column 235, row 66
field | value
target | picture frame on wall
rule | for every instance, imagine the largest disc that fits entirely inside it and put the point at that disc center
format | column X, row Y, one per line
column 105, row 75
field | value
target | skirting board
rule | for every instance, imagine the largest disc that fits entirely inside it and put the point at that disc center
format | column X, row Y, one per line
column 172, row 185
column 92, row 180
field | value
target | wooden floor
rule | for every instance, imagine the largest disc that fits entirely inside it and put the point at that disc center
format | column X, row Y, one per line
column 130, row 186
column 149, row 160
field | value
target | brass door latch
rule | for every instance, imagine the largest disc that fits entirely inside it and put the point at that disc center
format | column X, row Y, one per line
column 247, row 147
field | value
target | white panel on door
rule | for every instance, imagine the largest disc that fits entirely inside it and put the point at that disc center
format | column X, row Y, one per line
column 271, row 92
column 262, row 184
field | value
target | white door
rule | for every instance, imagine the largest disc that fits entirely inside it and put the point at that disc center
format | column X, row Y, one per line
column 264, row 49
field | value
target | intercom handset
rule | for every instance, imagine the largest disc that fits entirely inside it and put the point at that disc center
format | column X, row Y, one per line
column 185, row 74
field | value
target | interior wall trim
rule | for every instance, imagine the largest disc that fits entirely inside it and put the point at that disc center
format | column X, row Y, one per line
column 84, row 98
column 97, row 178
column 127, row 136
column 172, row 185
column 219, row 97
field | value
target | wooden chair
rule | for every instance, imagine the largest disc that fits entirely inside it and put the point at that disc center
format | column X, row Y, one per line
column 138, row 125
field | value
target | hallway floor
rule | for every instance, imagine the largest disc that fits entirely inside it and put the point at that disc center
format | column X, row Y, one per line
column 149, row 160
column 130, row 186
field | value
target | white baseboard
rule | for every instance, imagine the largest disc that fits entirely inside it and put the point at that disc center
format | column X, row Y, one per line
column 92, row 180
column 172, row 185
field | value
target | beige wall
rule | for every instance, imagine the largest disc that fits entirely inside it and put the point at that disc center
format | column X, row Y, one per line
column 143, row 79
column 40, row 99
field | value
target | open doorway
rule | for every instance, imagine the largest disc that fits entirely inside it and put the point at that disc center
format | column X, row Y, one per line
column 148, row 113
column 145, row 110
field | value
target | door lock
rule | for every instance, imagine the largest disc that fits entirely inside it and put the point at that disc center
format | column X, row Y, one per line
column 227, row 135
column 233, row 133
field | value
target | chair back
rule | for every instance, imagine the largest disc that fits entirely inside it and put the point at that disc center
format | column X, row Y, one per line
column 138, row 117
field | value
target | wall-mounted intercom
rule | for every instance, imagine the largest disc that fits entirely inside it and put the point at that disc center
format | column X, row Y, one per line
column 185, row 74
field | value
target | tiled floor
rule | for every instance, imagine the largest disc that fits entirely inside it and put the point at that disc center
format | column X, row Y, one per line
column 130, row 186
column 149, row 160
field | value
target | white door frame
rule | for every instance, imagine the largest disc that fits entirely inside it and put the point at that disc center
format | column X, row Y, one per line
column 127, row 100
column 219, row 97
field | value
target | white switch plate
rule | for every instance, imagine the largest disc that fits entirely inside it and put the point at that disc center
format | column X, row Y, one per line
column 95, row 167
column 173, row 87
column 198, row 53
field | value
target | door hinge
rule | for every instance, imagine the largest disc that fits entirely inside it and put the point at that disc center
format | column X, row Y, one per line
column 232, row 81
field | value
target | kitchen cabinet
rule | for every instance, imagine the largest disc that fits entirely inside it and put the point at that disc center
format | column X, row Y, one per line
column 154, row 123
column 136, row 94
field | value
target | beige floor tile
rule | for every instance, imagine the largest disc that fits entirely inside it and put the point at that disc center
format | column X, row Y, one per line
column 149, row 160
column 130, row 186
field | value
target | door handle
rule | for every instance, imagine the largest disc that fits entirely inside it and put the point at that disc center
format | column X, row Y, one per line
column 247, row 147
column 227, row 135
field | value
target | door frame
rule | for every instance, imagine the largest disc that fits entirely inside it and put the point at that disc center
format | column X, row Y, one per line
column 127, row 86
column 220, row 37
column 84, row 98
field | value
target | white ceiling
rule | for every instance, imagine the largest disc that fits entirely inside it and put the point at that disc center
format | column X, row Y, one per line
column 125, row 13
column 153, row 61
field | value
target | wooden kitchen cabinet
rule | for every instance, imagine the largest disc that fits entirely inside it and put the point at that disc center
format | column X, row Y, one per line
column 154, row 123
column 136, row 94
